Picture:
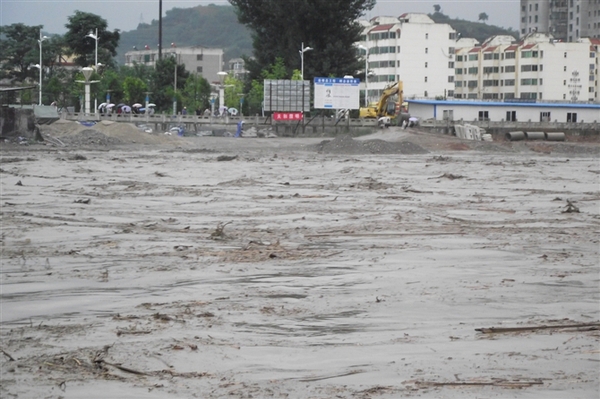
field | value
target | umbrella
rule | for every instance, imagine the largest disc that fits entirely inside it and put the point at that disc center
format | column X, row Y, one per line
column 142, row 110
column 120, row 105
column 413, row 119
column 151, row 105
column 126, row 108
column 110, row 105
column 136, row 105
column 102, row 105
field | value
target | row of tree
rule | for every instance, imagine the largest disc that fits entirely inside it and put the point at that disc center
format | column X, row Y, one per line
column 278, row 29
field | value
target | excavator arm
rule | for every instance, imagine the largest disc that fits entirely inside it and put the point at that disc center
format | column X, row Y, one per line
column 382, row 108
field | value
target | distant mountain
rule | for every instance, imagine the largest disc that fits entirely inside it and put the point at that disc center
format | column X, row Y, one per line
column 209, row 26
column 476, row 30
column 215, row 26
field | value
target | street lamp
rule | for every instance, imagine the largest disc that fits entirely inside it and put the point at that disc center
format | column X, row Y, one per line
column 39, row 66
column 360, row 46
column 222, row 75
column 95, row 37
column 87, row 73
column 302, row 51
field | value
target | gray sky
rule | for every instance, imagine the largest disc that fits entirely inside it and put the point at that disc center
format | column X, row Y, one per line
column 127, row 14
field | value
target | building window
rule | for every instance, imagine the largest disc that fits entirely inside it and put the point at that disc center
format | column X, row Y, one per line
column 510, row 56
column 199, row 69
column 565, row 56
column 545, row 116
column 425, row 64
column 536, row 6
column 473, row 71
column 458, row 71
column 199, row 57
column 426, row 35
column 484, row 116
column 473, row 57
column 509, row 68
column 450, row 79
column 426, row 50
column 425, row 93
column 425, row 78
column 459, row 58
column 509, row 82
column 458, row 83
column 571, row 117
column 536, row 18
column 472, row 84
column 451, row 64
column 451, row 50
column 529, row 82
column 511, row 116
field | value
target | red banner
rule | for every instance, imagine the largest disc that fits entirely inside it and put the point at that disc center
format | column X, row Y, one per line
column 287, row 116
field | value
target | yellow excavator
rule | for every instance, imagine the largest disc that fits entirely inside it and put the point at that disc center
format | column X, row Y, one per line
column 386, row 108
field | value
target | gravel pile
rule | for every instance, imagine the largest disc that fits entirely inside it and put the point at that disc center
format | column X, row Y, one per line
column 347, row 145
column 89, row 137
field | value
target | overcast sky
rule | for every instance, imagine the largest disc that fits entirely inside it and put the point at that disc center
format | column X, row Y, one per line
column 127, row 14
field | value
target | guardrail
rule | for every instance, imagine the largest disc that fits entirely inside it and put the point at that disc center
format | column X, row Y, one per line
column 314, row 123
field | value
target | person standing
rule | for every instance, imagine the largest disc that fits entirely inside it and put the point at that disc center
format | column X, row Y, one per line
column 240, row 129
column 184, row 111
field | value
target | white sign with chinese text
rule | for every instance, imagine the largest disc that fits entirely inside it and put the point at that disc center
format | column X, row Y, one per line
column 337, row 93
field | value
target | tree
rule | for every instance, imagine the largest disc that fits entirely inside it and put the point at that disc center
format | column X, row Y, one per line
column 196, row 93
column 279, row 29
column 84, row 48
column 437, row 8
column 163, row 80
column 19, row 50
column 134, row 90
column 483, row 17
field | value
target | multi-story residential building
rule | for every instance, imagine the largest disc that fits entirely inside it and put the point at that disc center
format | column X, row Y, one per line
column 206, row 62
column 565, row 20
column 413, row 49
column 237, row 68
column 536, row 68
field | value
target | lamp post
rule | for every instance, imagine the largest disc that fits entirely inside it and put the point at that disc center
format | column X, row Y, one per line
column 41, row 39
column 360, row 46
column 95, row 37
column 222, row 75
column 87, row 73
column 302, row 51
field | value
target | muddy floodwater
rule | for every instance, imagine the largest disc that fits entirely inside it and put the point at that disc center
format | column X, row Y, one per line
column 229, row 269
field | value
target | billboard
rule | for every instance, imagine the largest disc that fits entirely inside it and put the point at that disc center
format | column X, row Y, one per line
column 286, row 95
column 337, row 93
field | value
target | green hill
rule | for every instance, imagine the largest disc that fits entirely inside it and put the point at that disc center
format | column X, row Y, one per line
column 476, row 30
column 215, row 26
column 207, row 26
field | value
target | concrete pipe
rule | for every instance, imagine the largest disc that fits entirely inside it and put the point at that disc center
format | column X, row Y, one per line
column 556, row 136
column 515, row 136
column 535, row 136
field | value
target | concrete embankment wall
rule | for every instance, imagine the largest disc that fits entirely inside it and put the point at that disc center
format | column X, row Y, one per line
column 16, row 122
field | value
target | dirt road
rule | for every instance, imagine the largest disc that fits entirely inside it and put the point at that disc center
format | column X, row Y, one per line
column 296, row 268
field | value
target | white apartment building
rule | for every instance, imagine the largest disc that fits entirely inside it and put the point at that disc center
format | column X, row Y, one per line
column 533, row 69
column 413, row 49
column 565, row 20
column 206, row 62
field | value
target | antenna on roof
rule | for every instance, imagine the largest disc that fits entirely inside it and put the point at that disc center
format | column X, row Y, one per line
column 141, row 18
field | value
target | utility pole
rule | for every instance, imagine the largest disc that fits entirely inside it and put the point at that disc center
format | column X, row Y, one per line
column 159, row 30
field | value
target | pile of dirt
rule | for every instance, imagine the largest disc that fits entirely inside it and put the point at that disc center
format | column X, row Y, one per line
column 104, row 133
column 347, row 145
